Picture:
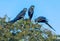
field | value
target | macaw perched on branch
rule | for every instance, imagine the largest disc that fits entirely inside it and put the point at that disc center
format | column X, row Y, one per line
column 31, row 11
column 19, row 16
column 42, row 19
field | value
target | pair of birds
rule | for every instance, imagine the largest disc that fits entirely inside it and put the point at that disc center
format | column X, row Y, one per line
column 22, row 14
column 30, row 14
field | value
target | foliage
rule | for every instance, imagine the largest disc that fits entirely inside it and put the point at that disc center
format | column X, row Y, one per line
column 24, row 30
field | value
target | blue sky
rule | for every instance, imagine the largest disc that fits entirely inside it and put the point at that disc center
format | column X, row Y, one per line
column 48, row 8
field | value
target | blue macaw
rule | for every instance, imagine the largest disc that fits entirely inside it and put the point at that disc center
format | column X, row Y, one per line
column 30, row 12
column 19, row 16
column 42, row 19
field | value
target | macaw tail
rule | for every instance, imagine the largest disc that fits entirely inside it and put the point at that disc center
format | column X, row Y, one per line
column 50, row 26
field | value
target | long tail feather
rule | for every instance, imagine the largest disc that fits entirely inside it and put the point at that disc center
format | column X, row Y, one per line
column 50, row 26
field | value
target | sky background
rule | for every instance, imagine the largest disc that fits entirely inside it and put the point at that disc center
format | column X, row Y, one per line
column 47, row 8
